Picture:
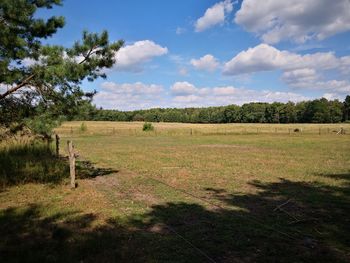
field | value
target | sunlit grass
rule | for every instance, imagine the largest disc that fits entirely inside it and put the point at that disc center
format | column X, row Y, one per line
column 219, row 191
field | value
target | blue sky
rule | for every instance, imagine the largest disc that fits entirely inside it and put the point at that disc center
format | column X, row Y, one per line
column 206, row 53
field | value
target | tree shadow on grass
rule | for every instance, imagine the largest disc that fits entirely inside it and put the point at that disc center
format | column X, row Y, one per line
column 26, row 163
column 283, row 221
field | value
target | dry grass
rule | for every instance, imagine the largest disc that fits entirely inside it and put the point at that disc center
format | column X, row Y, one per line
column 217, row 191
column 135, row 128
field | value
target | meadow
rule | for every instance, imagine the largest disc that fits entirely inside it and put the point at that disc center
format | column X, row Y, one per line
column 181, row 193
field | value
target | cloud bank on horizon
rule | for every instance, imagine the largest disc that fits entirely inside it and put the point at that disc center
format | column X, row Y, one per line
column 228, row 52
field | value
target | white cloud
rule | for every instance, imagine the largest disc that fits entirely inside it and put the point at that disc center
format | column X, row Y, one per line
column 132, row 57
column 299, row 71
column 180, row 30
column 183, row 71
column 304, row 75
column 3, row 88
column 265, row 58
column 183, row 88
column 207, row 63
column 128, row 96
column 187, row 95
column 214, row 15
column 297, row 20
column 332, row 96
column 132, row 96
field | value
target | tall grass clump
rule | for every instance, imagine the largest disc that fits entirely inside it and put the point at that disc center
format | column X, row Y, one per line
column 147, row 126
column 24, row 163
column 83, row 127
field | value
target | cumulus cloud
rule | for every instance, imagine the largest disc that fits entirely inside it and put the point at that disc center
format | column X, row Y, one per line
column 332, row 96
column 131, row 57
column 214, row 15
column 265, row 58
column 207, row 63
column 182, row 88
column 128, row 96
column 299, row 71
column 297, row 20
column 188, row 95
column 132, row 96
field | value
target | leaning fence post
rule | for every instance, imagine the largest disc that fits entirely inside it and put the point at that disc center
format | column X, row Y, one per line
column 57, row 145
column 71, row 155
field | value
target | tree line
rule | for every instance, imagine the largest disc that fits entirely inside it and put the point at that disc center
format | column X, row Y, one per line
column 40, row 94
column 313, row 111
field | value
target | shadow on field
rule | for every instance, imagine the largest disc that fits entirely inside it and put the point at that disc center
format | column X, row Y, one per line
column 37, row 163
column 284, row 221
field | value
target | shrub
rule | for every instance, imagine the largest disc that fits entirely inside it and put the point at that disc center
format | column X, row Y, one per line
column 83, row 127
column 147, row 126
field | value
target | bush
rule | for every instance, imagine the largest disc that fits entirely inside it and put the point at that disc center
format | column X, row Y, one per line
column 83, row 127
column 147, row 126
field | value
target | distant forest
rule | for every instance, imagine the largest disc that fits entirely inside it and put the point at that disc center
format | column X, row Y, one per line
column 314, row 111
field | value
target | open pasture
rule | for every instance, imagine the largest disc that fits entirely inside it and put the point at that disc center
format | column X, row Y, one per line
column 163, row 128
column 167, row 196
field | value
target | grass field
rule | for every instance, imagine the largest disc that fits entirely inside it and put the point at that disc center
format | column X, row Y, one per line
column 187, row 193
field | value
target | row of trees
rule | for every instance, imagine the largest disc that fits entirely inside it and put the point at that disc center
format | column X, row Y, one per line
column 314, row 111
column 40, row 84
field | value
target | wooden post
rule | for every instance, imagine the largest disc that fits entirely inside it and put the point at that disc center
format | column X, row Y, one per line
column 48, row 142
column 57, row 145
column 71, row 129
column 71, row 155
column 191, row 131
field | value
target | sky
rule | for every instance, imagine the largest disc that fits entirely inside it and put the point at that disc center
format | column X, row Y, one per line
column 198, row 53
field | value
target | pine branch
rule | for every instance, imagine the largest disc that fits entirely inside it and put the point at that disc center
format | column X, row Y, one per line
column 12, row 90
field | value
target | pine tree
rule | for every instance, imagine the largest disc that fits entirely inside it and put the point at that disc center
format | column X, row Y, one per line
column 35, row 73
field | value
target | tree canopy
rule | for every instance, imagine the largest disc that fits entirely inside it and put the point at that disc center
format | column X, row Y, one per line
column 35, row 73
column 313, row 111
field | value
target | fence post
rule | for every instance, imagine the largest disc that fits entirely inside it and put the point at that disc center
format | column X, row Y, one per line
column 71, row 155
column 57, row 145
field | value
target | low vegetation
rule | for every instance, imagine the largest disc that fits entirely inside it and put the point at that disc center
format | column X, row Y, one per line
column 223, row 198
column 147, row 126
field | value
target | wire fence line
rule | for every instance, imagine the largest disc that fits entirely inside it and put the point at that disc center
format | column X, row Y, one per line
column 205, row 132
